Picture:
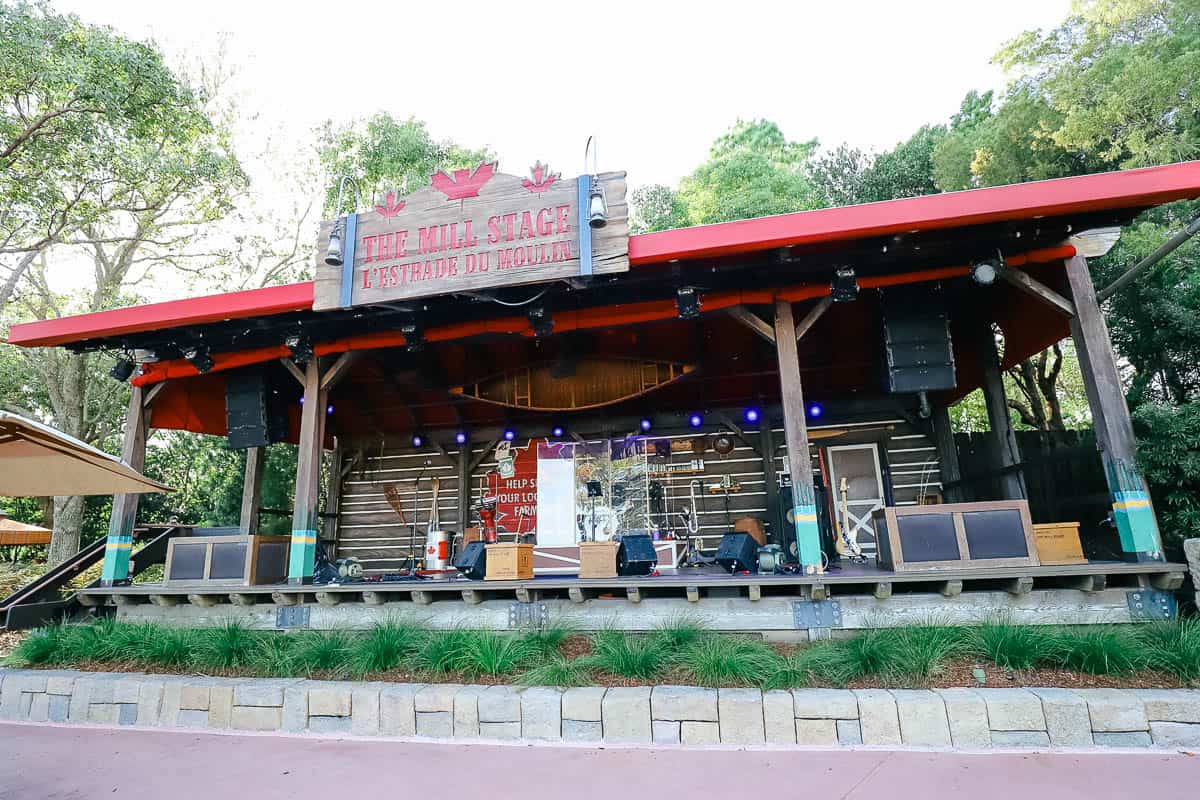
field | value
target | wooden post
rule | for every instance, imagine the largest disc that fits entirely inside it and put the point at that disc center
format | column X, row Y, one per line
column 333, row 500
column 766, row 444
column 464, row 487
column 302, row 557
column 947, row 450
column 1132, row 510
column 1012, row 482
column 804, row 509
column 119, row 545
column 252, row 489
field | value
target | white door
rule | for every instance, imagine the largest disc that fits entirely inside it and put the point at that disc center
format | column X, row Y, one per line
column 859, row 465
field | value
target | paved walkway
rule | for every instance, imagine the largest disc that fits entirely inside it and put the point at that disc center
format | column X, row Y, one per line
column 41, row 761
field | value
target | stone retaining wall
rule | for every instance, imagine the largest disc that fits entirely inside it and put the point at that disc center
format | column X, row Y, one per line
column 967, row 718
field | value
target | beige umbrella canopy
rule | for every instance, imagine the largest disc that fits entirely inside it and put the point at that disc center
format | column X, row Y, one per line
column 38, row 461
column 13, row 532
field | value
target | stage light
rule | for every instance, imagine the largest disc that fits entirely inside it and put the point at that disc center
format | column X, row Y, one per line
column 987, row 270
column 121, row 370
column 557, row 431
column 460, row 437
column 418, row 440
column 329, row 409
column 688, row 302
column 844, row 288
column 414, row 337
column 300, row 347
column 751, row 415
column 815, row 410
column 695, row 420
column 509, row 434
column 198, row 356
column 646, row 424
column 541, row 320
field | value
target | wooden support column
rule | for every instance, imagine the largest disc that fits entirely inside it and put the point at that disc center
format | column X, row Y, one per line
column 302, row 558
column 119, row 545
column 1012, row 482
column 463, row 471
column 1132, row 510
column 333, row 500
column 943, row 439
column 804, row 509
column 252, row 489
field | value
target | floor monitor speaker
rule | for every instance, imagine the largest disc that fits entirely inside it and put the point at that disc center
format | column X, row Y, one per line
column 472, row 561
column 636, row 555
column 738, row 552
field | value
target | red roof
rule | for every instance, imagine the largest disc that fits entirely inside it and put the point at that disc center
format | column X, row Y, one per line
column 1129, row 189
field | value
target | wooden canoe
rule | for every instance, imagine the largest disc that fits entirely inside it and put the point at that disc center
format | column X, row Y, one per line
column 596, row 382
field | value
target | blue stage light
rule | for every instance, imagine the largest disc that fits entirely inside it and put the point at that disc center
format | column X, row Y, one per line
column 751, row 415
column 417, row 440
column 460, row 437
column 329, row 409
column 695, row 420
column 557, row 431
column 509, row 434
column 815, row 410
column 646, row 424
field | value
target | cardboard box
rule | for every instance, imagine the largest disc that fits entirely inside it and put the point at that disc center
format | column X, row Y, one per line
column 598, row 559
column 472, row 534
column 1058, row 543
column 509, row 562
column 752, row 526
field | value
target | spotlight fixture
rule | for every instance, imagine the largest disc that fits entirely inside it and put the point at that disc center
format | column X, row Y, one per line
column 121, row 370
column 334, row 252
column 597, row 204
column 540, row 319
column 844, row 288
column 461, row 437
column 509, row 434
column 198, row 356
column 414, row 337
column 646, row 424
column 418, row 440
column 815, row 410
column 986, row 271
column 300, row 347
column 695, row 420
column 557, row 431
column 688, row 302
column 329, row 408
column 751, row 414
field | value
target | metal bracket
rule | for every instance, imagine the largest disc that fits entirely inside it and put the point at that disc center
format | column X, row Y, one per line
column 1146, row 604
column 292, row 617
column 533, row 616
column 817, row 614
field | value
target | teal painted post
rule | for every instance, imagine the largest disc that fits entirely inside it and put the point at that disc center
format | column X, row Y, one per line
column 302, row 556
column 1133, row 511
column 119, row 545
column 795, row 427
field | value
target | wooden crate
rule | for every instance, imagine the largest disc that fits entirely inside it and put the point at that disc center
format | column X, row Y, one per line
column 227, row 560
column 598, row 559
column 1058, row 543
column 996, row 533
column 509, row 562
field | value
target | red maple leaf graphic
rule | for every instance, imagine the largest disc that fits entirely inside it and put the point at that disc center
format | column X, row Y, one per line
column 465, row 183
column 542, row 178
column 391, row 206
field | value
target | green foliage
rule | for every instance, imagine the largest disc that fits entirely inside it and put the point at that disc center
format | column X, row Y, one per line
column 730, row 661
column 823, row 662
column 42, row 646
column 680, row 632
column 628, row 655
column 1013, row 646
column 1169, row 456
column 491, row 653
column 443, row 651
column 229, row 645
column 1100, row 650
column 549, row 639
column 1173, row 647
column 383, row 153
column 322, row 651
column 846, row 175
column 384, row 647
column 558, row 671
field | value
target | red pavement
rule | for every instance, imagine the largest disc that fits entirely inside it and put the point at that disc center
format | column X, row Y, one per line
column 43, row 761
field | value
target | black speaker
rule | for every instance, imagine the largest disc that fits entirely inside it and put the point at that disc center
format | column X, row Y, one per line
column 738, row 553
column 472, row 561
column 253, row 415
column 636, row 555
column 916, row 340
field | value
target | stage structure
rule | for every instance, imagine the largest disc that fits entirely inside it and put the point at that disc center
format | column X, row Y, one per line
column 513, row 401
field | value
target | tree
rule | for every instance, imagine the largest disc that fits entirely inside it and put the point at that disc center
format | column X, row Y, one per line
column 383, row 153
column 656, row 208
column 846, row 175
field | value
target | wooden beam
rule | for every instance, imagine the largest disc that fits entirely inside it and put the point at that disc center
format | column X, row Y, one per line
column 463, row 472
column 335, row 372
column 737, row 431
column 119, row 545
column 947, row 450
column 1032, row 286
column 814, row 314
column 301, row 560
column 479, row 459
column 297, row 373
column 1012, row 481
column 753, row 322
column 153, row 392
column 807, row 535
column 252, row 489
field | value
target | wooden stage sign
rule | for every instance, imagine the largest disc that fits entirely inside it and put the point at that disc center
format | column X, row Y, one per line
column 472, row 230
column 596, row 382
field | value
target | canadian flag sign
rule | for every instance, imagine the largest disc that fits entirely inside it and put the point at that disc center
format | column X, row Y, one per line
column 472, row 229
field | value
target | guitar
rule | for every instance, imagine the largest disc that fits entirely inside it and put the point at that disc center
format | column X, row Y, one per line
column 847, row 544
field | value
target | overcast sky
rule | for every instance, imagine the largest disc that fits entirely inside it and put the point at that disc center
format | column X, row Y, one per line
column 655, row 81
